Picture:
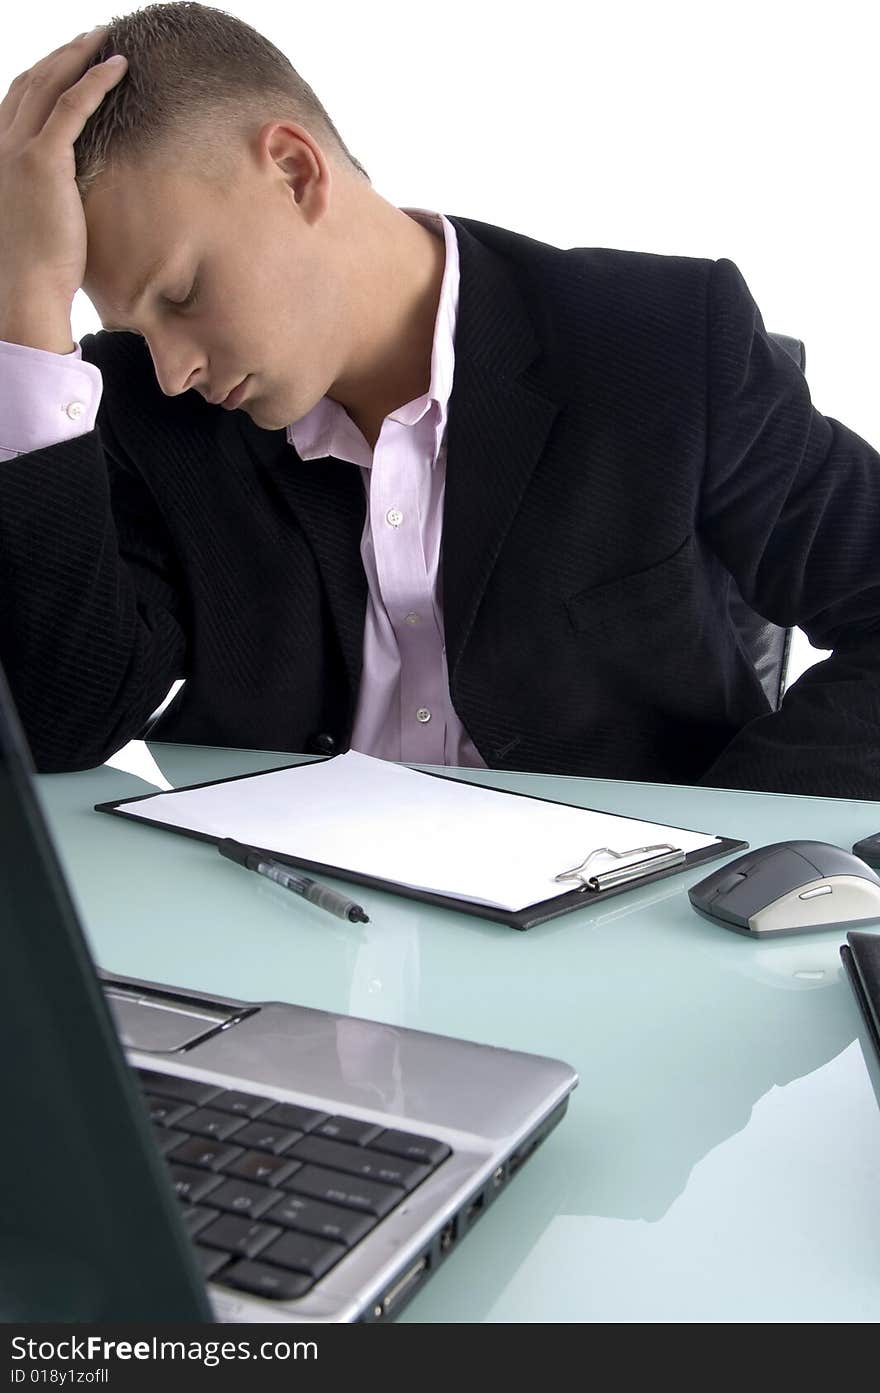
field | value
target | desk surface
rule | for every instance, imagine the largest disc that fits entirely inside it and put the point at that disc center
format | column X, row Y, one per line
column 720, row 1159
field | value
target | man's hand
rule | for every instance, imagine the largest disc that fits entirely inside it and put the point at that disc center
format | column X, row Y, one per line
column 42, row 224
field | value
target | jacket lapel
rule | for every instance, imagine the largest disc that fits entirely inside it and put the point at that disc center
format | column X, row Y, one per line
column 497, row 427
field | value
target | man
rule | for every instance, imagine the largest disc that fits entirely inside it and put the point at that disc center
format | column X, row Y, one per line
column 473, row 499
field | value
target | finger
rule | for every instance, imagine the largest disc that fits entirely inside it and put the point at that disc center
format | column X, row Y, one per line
column 79, row 48
column 88, row 41
column 76, row 104
column 34, row 92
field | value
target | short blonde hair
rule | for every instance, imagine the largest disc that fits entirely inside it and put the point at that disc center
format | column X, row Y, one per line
column 197, row 79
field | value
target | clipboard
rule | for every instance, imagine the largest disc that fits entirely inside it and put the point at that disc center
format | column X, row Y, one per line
column 640, row 865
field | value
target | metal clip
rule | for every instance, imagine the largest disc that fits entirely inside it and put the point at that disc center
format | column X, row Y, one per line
column 665, row 855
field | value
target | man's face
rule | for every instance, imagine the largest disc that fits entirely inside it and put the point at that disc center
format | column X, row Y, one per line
column 257, row 253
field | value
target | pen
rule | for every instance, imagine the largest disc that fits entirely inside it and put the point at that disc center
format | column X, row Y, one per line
column 312, row 890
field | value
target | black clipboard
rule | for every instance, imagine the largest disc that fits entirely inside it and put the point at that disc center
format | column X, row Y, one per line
column 612, row 882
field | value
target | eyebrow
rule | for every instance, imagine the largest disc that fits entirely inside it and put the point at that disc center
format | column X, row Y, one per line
column 140, row 290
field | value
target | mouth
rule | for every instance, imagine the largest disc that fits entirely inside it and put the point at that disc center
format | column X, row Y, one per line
column 236, row 395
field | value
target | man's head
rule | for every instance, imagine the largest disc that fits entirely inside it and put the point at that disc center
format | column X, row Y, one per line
column 214, row 159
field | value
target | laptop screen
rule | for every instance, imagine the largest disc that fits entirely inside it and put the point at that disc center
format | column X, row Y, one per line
column 861, row 958
column 89, row 1229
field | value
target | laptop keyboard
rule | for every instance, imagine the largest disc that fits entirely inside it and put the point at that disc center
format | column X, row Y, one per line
column 274, row 1195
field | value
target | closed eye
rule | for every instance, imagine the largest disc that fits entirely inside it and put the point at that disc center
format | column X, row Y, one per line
column 191, row 299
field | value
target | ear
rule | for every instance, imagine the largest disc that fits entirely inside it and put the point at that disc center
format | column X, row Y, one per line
column 301, row 162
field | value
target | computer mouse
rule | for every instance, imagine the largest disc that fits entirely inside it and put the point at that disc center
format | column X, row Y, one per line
column 787, row 887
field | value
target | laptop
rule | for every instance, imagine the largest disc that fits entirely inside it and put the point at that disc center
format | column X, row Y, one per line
column 861, row 959
column 173, row 1155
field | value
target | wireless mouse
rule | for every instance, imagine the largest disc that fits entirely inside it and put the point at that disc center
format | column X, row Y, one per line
column 788, row 887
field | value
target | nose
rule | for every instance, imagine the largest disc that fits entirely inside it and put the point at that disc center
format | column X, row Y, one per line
column 178, row 365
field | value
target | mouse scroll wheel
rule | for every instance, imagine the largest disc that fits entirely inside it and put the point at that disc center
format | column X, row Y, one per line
column 730, row 882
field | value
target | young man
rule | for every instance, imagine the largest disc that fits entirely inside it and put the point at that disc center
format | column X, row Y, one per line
column 472, row 498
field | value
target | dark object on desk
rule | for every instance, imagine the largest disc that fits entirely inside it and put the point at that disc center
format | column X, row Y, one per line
column 861, row 959
column 789, row 887
column 311, row 890
column 869, row 850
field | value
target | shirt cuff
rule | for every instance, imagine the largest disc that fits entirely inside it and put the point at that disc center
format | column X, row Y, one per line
column 45, row 398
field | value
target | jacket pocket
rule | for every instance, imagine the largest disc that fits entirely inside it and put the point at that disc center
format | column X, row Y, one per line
column 641, row 597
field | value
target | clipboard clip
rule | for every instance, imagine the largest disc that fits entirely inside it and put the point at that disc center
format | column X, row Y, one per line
column 664, row 855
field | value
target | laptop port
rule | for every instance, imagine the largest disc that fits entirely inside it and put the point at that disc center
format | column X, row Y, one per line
column 476, row 1205
column 448, row 1235
column 519, row 1157
column 498, row 1177
column 402, row 1288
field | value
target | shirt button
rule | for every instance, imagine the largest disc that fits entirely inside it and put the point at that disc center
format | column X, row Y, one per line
column 394, row 517
column 423, row 714
column 75, row 409
column 413, row 619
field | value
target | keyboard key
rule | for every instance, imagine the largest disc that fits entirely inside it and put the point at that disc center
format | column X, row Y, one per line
column 210, row 1261
column 267, row 1136
column 241, row 1197
column 166, row 1111
column 208, row 1123
column 196, row 1216
column 167, row 1138
column 291, row 1115
column 192, row 1185
column 323, row 1220
column 335, row 1188
column 170, row 1086
column 412, row 1147
column 356, row 1160
column 270, row 1282
column 209, row 1154
column 243, row 1104
column 303, row 1253
column 263, row 1167
column 348, row 1129
column 242, row 1237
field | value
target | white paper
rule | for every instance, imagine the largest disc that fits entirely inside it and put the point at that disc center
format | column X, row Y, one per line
column 376, row 818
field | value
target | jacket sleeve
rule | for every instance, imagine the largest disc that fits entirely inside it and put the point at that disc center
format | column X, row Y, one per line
column 790, row 503
column 92, row 630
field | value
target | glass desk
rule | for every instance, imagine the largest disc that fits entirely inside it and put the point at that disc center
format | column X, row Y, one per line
column 720, row 1159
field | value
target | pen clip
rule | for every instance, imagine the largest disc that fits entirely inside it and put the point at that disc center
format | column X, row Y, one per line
column 665, row 855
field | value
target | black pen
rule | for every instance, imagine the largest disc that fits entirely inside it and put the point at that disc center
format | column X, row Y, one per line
column 312, row 890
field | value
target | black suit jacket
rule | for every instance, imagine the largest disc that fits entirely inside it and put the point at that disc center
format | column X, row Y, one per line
column 623, row 439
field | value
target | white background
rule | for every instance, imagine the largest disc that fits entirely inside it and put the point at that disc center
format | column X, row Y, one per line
column 701, row 129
